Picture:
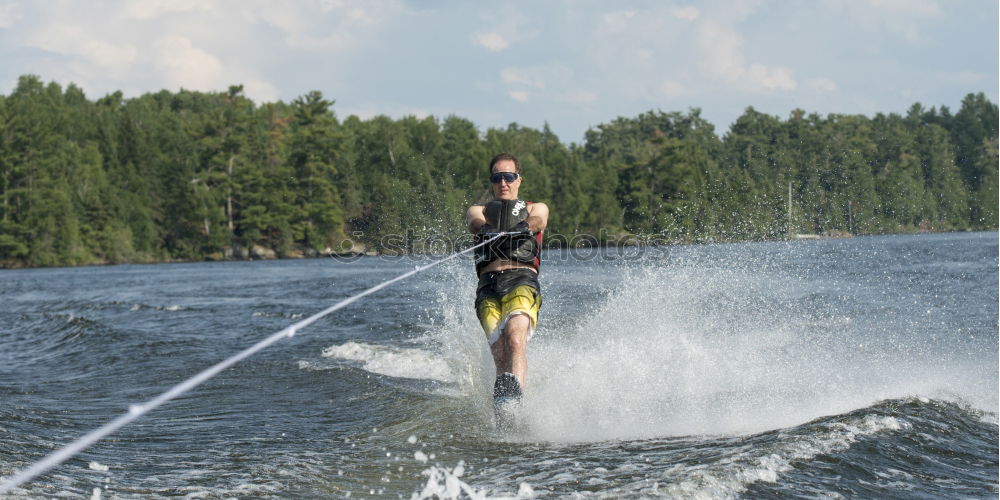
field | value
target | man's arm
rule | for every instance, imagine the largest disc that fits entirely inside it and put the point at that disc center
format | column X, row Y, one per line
column 475, row 218
column 538, row 217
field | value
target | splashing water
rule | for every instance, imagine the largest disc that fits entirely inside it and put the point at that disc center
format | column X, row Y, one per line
column 731, row 342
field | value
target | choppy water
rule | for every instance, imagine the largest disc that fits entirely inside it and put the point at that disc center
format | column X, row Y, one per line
column 842, row 368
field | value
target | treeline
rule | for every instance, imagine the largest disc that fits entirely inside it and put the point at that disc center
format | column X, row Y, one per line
column 193, row 175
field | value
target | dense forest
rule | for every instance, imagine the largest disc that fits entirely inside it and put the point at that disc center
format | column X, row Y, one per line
column 194, row 175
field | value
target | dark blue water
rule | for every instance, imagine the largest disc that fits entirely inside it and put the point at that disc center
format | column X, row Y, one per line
column 863, row 367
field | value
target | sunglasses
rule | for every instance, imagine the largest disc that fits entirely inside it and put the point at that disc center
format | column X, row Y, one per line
column 507, row 176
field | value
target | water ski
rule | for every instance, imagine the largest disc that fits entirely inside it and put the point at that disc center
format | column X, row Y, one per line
column 506, row 401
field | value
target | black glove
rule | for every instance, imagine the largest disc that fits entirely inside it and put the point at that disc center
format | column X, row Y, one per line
column 521, row 227
column 505, row 214
column 487, row 228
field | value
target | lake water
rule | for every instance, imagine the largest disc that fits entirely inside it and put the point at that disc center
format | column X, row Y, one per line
column 864, row 367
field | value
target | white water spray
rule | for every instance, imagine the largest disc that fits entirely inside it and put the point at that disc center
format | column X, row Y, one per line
column 695, row 349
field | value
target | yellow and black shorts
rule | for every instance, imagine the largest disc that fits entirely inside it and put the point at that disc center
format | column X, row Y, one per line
column 503, row 294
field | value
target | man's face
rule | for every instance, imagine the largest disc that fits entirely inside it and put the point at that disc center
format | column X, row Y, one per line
column 504, row 190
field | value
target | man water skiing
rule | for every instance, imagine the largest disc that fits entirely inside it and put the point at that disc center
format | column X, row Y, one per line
column 508, row 296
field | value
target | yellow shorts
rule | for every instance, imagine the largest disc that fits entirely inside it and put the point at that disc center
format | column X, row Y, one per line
column 494, row 312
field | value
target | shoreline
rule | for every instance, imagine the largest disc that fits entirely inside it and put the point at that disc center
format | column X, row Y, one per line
column 629, row 241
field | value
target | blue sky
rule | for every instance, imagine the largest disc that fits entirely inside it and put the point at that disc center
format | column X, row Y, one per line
column 573, row 64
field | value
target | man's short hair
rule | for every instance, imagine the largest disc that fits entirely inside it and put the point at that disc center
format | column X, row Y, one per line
column 505, row 156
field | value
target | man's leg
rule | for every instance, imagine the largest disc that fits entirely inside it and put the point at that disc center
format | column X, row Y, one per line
column 509, row 351
column 501, row 356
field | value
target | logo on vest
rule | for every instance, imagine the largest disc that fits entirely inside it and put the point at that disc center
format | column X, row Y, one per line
column 517, row 207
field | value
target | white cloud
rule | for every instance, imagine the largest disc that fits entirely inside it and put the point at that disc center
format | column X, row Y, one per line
column 966, row 78
column 8, row 15
column 821, row 84
column 329, row 41
column 686, row 13
column 333, row 28
column 260, row 90
column 671, row 88
column 146, row 45
column 628, row 52
column 361, row 15
column 771, row 78
column 722, row 48
column 518, row 76
column 328, row 5
column 580, row 66
column 108, row 54
column 614, row 22
column 56, row 38
column 72, row 41
column 645, row 55
column 491, row 41
column 922, row 8
column 738, row 11
column 149, row 9
column 580, row 97
column 518, row 95
column 552, row 83
column 504, row 25
column 906, row 19
column 184, row 65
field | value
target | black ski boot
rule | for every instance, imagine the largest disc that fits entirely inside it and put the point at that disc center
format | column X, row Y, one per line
column 506, row 399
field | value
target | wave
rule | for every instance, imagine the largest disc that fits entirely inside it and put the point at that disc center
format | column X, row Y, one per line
column 723, row 478
column 169, row 308
column 391, row 361
column 909, row 445
column 41, row 338
column 271, row 314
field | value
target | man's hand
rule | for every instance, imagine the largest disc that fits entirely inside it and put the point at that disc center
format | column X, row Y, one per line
column 538, row 217
column 521, row 227
column 474, row 218
column 487, row 228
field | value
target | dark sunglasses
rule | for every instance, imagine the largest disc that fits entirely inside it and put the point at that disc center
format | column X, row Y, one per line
column 507, row 176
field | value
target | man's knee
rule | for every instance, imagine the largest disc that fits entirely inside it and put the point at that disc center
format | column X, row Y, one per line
column 516, row 331
column 517, row 343
column 519, row 323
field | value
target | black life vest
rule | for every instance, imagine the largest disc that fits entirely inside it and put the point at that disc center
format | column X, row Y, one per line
column 523, row 248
